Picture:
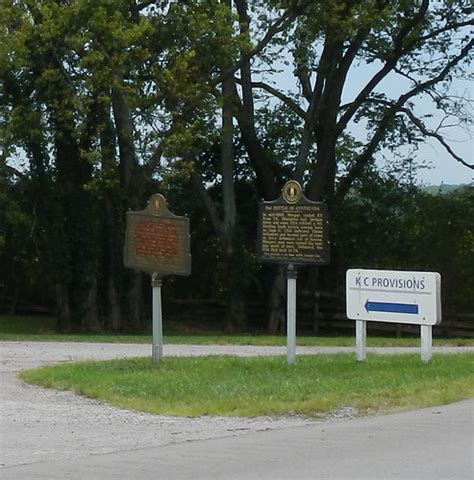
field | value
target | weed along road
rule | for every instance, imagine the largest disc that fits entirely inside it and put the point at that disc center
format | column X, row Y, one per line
column 46, row 434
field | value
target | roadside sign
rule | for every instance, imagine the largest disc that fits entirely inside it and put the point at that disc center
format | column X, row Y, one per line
column 293, row 229
column 157, row 241
column 394, row 296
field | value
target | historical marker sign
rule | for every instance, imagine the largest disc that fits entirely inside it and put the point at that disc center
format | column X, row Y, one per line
column 293, row 229
column 394, row 296
column 157, row 241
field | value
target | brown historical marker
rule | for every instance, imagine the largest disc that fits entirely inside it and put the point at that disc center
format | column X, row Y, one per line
column 157, row 241
column 293, row 229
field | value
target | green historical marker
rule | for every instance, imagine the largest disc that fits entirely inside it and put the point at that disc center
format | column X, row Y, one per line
column 157, row 242
column 293, row 230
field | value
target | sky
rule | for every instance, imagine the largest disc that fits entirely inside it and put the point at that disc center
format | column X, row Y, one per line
column 445, row 169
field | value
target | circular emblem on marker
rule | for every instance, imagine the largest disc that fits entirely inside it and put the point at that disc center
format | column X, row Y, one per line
column 292, row 191
column 156, row 204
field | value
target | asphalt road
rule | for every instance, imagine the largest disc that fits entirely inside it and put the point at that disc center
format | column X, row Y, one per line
column 58, row 435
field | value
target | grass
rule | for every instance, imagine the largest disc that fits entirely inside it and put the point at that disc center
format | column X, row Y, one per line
column 226, row 385
column 41, row 329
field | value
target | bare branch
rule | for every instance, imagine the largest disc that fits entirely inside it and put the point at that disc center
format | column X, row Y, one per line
column 448, row 27
column 16, row 172
column 145, row 4
column 399, row 50
column 303, row 76
column 291, row 104
column 424, row 86
column 429, row 133
column 152, row 164
column 198, row 183
column 277, row 27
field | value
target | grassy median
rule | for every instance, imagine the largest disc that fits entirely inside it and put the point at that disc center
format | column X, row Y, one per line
column 224, row 385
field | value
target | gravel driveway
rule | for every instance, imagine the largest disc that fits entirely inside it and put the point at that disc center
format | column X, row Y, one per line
column 40, row 425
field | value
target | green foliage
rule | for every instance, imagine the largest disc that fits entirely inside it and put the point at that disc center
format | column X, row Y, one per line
column 451, row 250
column 387, row 225
column 18, row 259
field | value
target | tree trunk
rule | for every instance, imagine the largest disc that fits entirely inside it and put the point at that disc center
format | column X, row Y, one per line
column 276, row 303
column 113, row 244
column 132, row 310
column 236, row 308
column 113, row 233
column 86, row 307
column 64, row 322
column 132, row 190
column 262, row 160
column 114, row 310
column 15, row 298
column 128, row 159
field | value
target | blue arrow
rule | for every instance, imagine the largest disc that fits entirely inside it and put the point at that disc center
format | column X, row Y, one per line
column 411, row 308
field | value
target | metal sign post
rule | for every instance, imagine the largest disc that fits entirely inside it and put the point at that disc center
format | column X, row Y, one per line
column 426, row 334
column 291, row 314
column 361, row 340
column 157, row 319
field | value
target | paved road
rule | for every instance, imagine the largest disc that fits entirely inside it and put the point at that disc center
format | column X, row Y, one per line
column 47, row 434
column 431, row 444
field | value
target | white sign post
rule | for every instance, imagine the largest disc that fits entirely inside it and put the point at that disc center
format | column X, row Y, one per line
column 361, row 340
column 291, row 315
column 157, row 319
column 396, row 297
column 426, row 335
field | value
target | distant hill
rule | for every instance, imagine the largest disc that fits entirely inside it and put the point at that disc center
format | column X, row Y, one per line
column 444, row 188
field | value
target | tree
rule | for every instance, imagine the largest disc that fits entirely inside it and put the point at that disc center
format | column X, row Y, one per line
column 109, row 99
column 64, row 68
column 18, row 261
column 423, row 44
column 398, row 225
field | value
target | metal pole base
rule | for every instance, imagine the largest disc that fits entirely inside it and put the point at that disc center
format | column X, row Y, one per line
column 157, row 353
column 291, row 315
column 426, row 334
column 157, row 318
column 361, row 340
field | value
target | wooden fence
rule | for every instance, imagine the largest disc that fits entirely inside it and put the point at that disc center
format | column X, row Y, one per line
column 322, row 315
column 328, row 318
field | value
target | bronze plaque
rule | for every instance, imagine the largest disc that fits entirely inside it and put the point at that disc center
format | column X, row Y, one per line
column 293, row 229
column 157, row 241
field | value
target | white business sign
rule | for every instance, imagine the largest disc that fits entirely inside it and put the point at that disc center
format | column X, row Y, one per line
column 393, row 296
